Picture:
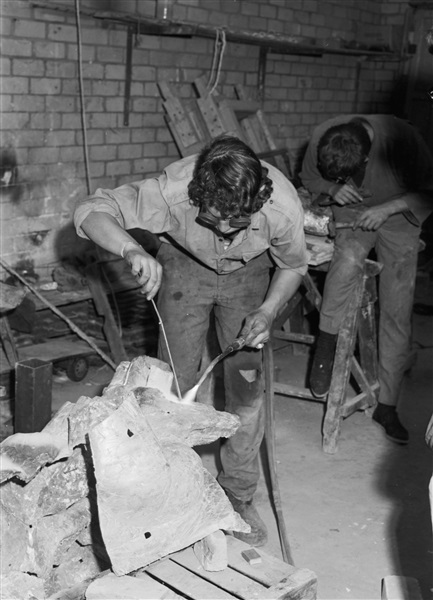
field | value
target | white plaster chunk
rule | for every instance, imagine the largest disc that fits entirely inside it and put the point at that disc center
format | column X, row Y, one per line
column 14, row 537
column 193, row 424
column 22, row 455
column 153, row 499
column 153, row 494
column 21, row 586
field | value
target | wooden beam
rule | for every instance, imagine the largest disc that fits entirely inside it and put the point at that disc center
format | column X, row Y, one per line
column 275, row 43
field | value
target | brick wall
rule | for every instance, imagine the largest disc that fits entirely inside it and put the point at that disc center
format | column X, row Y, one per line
column 42, row 137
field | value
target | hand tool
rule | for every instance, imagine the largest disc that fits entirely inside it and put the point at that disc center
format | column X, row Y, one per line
column 333, row 226
column 268, row 362
column 237, row 344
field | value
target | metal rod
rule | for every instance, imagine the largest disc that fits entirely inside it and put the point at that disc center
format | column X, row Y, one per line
column 168, row 350
column 270, row 450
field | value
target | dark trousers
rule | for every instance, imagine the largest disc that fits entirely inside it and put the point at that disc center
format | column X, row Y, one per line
column 188, row 293
column 398, row 252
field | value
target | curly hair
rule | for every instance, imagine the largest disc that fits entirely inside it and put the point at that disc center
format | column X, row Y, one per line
column 229, row 177
column 343, row 149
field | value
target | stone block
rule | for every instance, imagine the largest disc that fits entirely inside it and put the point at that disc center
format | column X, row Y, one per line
column 211, row 551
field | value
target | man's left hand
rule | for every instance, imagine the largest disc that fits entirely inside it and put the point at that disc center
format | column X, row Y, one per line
column 372, row 218
column 257, row 329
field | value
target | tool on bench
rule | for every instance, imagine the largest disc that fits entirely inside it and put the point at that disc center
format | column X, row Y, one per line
column 322, row 224
column 333, row 226
column 237, row 344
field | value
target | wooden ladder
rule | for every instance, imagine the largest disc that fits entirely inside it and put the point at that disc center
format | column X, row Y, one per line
column 358, row 325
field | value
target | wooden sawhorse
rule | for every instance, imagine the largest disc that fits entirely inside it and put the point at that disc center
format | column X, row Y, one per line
column 358, row 325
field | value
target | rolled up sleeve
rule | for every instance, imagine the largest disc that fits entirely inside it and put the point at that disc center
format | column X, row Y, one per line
column 135, row 205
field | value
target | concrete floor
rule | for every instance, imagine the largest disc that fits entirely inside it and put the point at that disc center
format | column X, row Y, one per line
column 353, row 517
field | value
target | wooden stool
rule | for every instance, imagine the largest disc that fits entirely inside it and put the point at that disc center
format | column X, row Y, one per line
column 358, row 325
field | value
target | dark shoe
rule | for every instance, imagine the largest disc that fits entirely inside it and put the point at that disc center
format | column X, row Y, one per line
column 386, row 416
column 248, row 512
column 423, row 309
column 323, row 361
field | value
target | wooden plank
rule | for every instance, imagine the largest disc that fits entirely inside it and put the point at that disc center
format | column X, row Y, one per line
column 243, row 108
column 262, row 136
column 140, row 587
column 252, row 138
column 201, row 87
column 194, row 115
column 180, row 121
column 230, row 121
column 269, row 572
column 341, row 371
column 229, row 580
column 186, row 582
column 280, row 162
column 295, row 392
column 186, row 130
column 8, row 342
column 301, row 585
column 360, row 402
column 293, row 336
column 165, row 90
column 55, row 349
column 193, row 149
column 211, row 116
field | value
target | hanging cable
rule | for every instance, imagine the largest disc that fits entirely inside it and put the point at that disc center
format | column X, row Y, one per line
column 214, row 61
column 86, row 153
column 219, row 49
column 83, row 108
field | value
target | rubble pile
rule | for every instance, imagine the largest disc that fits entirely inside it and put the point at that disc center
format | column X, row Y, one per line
column 110, row 485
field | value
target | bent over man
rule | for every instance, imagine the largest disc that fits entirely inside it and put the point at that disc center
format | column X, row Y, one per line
column 378, row 174
column 227, row 222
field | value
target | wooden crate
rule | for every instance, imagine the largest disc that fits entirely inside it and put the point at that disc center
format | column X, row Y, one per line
column 271, row 579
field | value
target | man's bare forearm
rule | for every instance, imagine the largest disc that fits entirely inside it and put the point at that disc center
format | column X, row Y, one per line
column 284, row 286
column 105, row 231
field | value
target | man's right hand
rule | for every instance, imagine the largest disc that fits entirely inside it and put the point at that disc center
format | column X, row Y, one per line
column 345, row 194
column 146, row 270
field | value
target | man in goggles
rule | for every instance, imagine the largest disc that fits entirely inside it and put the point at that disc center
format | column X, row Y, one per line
column 232, row 248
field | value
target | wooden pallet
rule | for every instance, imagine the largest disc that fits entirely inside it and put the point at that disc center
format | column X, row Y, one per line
column 195, row 121
column 180, row 576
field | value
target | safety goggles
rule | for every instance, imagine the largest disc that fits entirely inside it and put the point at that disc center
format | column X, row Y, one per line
column 206, row 218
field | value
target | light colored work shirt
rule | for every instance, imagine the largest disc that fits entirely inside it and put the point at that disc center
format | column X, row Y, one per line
column 161, row 205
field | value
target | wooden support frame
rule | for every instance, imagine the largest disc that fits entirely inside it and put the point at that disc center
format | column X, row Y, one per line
column 358, row 325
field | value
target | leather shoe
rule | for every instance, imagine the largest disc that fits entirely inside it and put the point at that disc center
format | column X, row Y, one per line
column 386, row 416
column 259, row 534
